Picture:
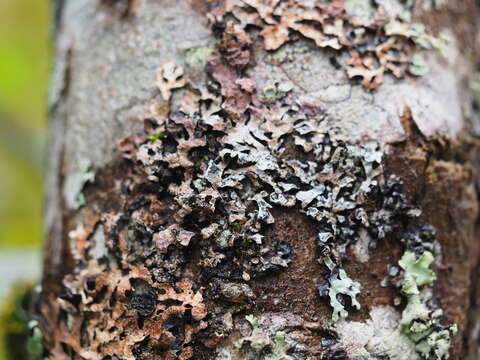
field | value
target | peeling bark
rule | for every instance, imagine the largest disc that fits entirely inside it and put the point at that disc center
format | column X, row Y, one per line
column 247, row 179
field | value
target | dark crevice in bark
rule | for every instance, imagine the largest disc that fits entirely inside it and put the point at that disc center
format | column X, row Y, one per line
column 471, row 337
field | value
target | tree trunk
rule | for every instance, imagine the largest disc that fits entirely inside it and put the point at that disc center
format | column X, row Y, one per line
column 251, row 179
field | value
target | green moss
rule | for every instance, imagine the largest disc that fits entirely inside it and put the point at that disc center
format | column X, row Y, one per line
column 157, row 136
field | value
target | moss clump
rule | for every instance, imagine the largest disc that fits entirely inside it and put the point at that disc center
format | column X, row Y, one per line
column 159, row 135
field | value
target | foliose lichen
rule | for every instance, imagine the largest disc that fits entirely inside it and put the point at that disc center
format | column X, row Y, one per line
column 197, row 57
column 419, row 321
column 260, row 344
column 418, row 67
column 340, row 283
column 377, row 41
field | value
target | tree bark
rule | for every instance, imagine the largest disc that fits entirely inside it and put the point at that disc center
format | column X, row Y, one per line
column 262, row 180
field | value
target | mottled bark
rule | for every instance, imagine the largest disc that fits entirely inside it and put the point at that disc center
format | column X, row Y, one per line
column 147, row 259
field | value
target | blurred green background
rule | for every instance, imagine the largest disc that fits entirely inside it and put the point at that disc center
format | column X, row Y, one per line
column 24, row 65
column 25, row 54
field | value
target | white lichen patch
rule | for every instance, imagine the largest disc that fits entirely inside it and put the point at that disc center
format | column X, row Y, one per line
column 360, row 248
column 268, row 336
column 74, row 184
column 378, row 335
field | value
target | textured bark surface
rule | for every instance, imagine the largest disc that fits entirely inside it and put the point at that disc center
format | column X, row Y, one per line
column 104, row 82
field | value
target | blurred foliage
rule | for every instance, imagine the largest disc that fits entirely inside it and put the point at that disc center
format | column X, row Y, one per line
column 24, row 68
column 17, row 330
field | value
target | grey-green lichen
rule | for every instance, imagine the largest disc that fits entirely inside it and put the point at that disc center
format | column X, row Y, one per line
column 263, row 343
column 75, row 183
column 363, row 9
column 341, row 284
column 231, row 182
column 378, row 337
column 274, row 92
column 417, row 33
column 279, row 348
column 197, row 57
column 418, row 66
column 475, row 85
column 419, row 321
column 471, row 107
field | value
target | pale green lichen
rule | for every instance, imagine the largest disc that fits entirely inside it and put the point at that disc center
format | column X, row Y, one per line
column 279, row 348
column 362, row 9
column 87, row 175
column 416, row 32
column 418, row 66
column 279, row 56
column 197, row 57
column 342, row 285
column 433, row 4
column 379, row 335
column 475, row 85
column 260, row 342
column 275, row 92
column 437, row 344
column 419, row 322
column 417, row 272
